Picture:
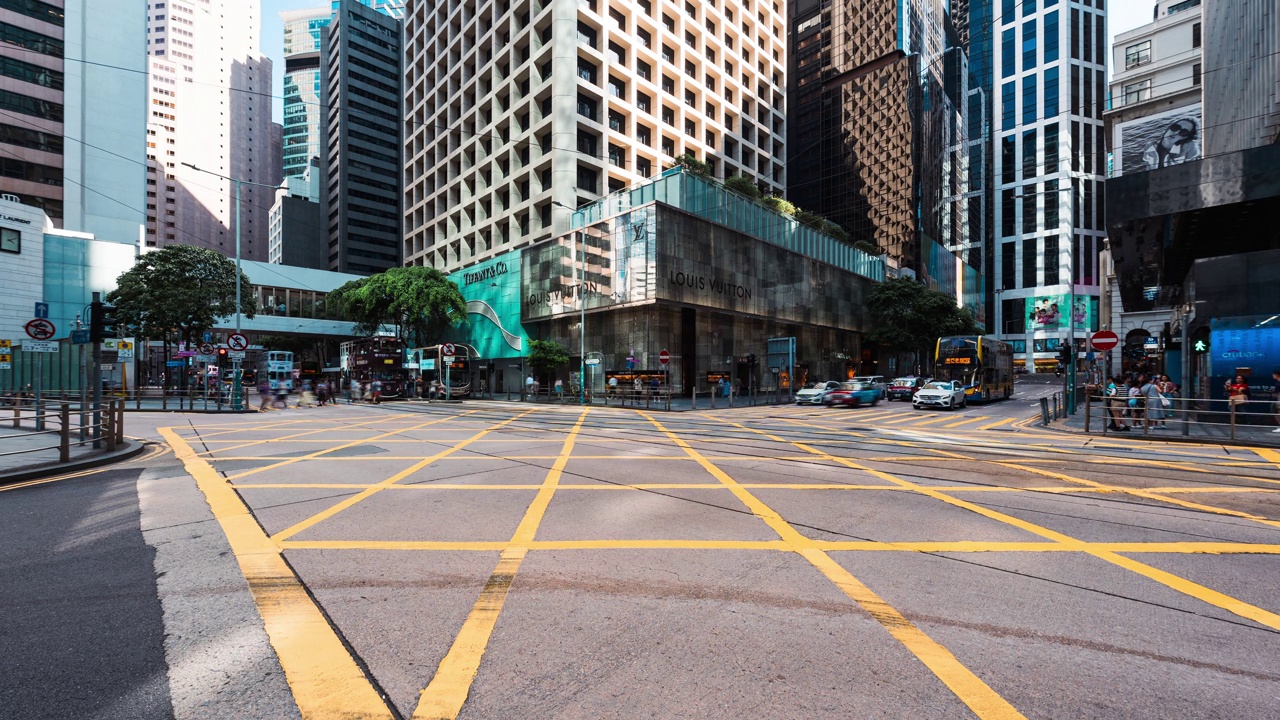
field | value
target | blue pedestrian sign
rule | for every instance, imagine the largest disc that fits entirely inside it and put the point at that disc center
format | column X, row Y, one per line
column 42, row 310
column 80, row 337
column 208, row 336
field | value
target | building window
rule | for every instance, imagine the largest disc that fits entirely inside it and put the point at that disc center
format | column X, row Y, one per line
column 1051, row 37
column 1008, row 48
column 1008, row 266
column 1051, row 205
column 586, row 71
column 668, row 55
column 1195, row 34
column 1029, row 163
column 668, row 85
column 690, row 128
column 1051, row 149
column 643, row 102
column 1137, row 92
column 1029, row 197
column 1008, row 214
column 668, row 116
column 586, row 107
column 643, row 168
column 588, row 179
column 643, row 70
column 1137, row 54
column 1029, row 263
column 645, row 38
column 1051, row 92
column 617, row 88
column 668, row 147
column 1195, row 74
column 617, row 155
column 1029, row 99
column 690, row 99
column 1009, row 106
column 1052, row 259
column 617, row 54
column 644, row 136
column 617, row 122
column 1029, row 44
column 1008, row 159
column 586, row 35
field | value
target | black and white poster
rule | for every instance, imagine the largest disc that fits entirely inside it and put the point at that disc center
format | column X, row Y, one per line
column 1159, row 141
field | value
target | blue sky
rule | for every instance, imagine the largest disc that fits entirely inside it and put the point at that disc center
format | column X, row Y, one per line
column 1123, row 15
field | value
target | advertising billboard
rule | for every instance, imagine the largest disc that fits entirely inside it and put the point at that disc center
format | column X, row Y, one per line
column 1163, row 140
column 1049, row 312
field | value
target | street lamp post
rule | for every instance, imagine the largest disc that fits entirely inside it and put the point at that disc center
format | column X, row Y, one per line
column 236, row 392
column 579, row 238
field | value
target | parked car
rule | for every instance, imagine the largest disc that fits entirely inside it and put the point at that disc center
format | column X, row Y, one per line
column 943, row 394
column 853, row 394
column 904, row 387
column 815, row 392
column 879, row 381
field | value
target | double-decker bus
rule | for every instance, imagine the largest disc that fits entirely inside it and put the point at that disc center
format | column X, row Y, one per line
column 983, row 364
column 461, row 370
column 277, row 367
column 308, row 370
column 378, row 358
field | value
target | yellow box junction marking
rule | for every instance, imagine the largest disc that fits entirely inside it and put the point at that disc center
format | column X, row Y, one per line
column 968, row 687
column 445, row 695
column 325, row 679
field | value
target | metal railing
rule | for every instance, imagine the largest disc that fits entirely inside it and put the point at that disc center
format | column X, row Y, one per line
column 1189, row 417
column 95, row 424
column 211, row 399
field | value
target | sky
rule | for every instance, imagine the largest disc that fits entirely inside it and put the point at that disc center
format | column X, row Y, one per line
column 1122, row 16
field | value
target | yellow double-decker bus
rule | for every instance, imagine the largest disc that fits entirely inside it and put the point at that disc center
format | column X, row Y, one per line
column 983, row 364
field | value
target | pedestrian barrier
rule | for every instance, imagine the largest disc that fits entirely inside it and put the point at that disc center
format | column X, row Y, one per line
column 1202, row 418
column 95, row 424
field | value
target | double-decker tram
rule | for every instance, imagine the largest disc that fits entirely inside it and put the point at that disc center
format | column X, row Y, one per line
column 983, row 364
column 276, row 366
column 378, row 358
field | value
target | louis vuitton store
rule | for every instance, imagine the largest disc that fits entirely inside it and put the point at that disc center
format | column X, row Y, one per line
column 673, row 265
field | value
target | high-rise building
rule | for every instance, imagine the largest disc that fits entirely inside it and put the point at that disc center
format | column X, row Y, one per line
column 879, row 138
column 520, row 110
column 299, row 230
column 1049, row 158
column 209, row 107
column 302, row 98
column 86, row 176
column 363, row 115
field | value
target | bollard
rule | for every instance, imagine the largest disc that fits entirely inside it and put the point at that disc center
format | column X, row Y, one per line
column 17, row 414
column 694, row 394
column 64, row 433
column 120, row 422
column 107, row 419
column 1233, row 419
column 1088, row 404
column 713, row 399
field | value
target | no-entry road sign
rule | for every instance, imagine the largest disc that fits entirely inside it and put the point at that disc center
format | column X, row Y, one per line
column 40, row 329
column 1104, row 340
column 448, row 349
column 664, row 357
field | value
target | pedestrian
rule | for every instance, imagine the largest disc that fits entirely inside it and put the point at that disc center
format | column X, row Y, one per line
column 1134, row 393
column 353, row 391
column 1275, row 398
column 724, row 387
column 636, row 390
column 282, row 396
column 1237, row 393
column 530, row 388
column 375, row 389
column 613, row 388
column 1153, row 404
column 264, row 395
column 1116, row 404
column 653, row 387
column 306, row 397
column 560, row 390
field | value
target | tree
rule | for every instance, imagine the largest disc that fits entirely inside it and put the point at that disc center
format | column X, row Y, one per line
column 778, row 204
column 906, row 316
column 178, row 292
column 693, row 165
column 809, row 219
column 546, row 356
column 420, row 301
column 742, row 185
column 867, row 247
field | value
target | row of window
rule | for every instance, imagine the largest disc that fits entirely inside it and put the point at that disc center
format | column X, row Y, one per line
column 51, row 14
column 1043, row 265
column 1139, row 54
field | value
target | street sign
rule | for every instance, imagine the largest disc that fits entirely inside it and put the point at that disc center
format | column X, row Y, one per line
column 206, row 348
column 211, row 370
column 45, row 346
column 6, row 344
column 448, row 349
column 42, row 310
column 236, row 355
column 108, row 366
column 236, row 341
column 80, row 337
column 184, row 353
column 40, row 329
column 124, row 349
column 175, row 363
column 446, row 359
column 208, row 336
column 428, row 363
column 592, row 361
column 774, row 369
column 210, row 358
column 1104, row 340
column 664, row 357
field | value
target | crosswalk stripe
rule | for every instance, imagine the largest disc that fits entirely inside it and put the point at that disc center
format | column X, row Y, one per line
column 967, row 421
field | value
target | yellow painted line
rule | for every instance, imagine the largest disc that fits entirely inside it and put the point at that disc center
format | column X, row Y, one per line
column 1139, row 492
column 284, row 438
column 942, row 419
column 375, row 489
column 325, row 679
column 1270, row 456
column 343, row 446
column 915, row 416
column 973, row 419
column 996, row 424
column 968, row 687
column 445, row 695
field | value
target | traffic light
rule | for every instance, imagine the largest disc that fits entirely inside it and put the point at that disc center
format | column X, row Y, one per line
column 1065, row 352
column 102, row 321
column 751, row 360
column 222, row 354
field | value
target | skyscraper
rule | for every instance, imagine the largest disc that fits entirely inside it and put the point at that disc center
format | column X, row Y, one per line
column 362, row 158
column 303, row 101
column 519, row 110
column 86, row 175
column 1049, row 156
column 209, row 107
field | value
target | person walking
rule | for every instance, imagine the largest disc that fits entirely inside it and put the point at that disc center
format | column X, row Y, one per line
column 376, row 389
column 353, row 391
column 1152, row 403
column 529, row 390
column 1116, row 402
column 560, row 390
column 613, row 388
column 636, row 389
column 264, row 396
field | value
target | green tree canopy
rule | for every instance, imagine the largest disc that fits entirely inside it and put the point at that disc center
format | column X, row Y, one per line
column 547, row 355
column 744, row 185
column 907, row 316
column 178, row 292
column 691, row 163
column 421, row 301
column 780, row 205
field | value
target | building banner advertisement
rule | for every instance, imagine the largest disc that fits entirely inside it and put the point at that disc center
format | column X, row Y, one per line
column 1049, row 312
column 1159, row 141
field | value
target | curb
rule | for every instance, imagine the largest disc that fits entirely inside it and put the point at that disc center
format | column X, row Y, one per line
column 132, row 449
column 1227, row 442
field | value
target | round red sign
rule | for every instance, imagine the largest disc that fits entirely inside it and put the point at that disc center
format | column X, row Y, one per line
column 1104, row 340
column 448, row 349
column 664, row 357
column 40, row 329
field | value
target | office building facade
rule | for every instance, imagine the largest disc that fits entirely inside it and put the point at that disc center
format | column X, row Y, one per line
column 86, row 176
column 302, row 94
column 1049, row 164
column 362, row 163
column 209, row 106
column 879, row 136
column 519, row 111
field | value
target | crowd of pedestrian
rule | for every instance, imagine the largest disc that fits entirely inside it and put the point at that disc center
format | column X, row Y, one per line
column 1140, row 398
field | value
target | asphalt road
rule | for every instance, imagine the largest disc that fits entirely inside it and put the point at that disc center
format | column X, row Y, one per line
column 494, row 560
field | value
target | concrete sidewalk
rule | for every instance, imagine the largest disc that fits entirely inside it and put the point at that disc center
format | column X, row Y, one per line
column 26, row 453
column 1202, row 430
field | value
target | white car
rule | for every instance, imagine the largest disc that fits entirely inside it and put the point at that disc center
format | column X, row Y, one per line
column 880, row 382
column 942, row 394
column 816, row 392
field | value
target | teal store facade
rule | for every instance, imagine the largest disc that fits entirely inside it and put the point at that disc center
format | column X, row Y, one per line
column 493, row 332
